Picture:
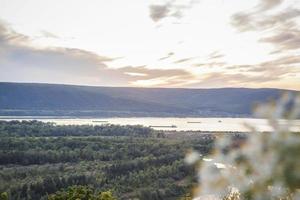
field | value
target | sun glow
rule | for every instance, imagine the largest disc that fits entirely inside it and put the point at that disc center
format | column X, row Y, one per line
column 197, row 37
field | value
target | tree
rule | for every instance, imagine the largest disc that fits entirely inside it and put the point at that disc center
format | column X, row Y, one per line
column 106, row 196
column 4, row 196
column 81, row 193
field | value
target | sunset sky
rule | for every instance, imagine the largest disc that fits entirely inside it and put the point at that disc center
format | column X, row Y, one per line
column 186, row 43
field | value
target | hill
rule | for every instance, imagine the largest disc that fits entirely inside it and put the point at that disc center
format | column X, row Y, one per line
column 70, row 100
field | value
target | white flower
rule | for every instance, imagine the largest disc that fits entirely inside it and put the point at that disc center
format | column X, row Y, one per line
column 260, row 164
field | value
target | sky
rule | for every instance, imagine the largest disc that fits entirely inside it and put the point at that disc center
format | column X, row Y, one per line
column 139, row 43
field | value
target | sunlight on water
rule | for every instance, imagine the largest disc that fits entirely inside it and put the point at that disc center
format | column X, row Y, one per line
column 178, row 124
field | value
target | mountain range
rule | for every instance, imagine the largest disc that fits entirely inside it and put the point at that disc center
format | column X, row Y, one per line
column 35, row 99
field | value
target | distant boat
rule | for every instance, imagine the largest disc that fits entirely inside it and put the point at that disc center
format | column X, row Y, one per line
column 219, row 121
column 194, row 122
column 97, row 121
column 172, row 126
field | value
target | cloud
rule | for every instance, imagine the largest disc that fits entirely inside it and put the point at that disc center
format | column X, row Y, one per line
column 240, row 68
column 242, row 21
column 287, row 65
column 21, row 62
column 268, row 4
column 157, row 77
column 272, row 69
column 170, row 8
column 168, row 81
column 214, row 59
column 152, row 73
column 286, row 60
column 257, row 20
column 8, row 36
column 47, row 34
column 215, row 55
column 158, row 12
column 135, row 74
column 18, row 56
column 280, row 29
column 268, row 73
column 285, row 38
column 183, row 60
column 167, row 56
column 210, row 64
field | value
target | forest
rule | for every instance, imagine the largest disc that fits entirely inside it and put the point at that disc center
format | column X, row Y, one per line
column 47, row 161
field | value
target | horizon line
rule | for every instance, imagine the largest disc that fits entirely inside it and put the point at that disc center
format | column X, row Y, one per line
column 135, row 87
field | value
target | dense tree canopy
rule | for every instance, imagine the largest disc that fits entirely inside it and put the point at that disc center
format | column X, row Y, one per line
column 41, row 160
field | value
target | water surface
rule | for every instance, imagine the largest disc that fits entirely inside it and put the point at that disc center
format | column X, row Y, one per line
column 179, row 124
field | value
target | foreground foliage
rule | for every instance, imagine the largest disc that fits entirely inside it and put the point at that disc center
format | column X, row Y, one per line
column 263, row 166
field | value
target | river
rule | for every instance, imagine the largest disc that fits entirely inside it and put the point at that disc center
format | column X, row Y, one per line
column 179, row 124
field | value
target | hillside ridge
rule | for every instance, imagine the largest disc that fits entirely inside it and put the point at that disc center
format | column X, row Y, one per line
column 74, row 100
